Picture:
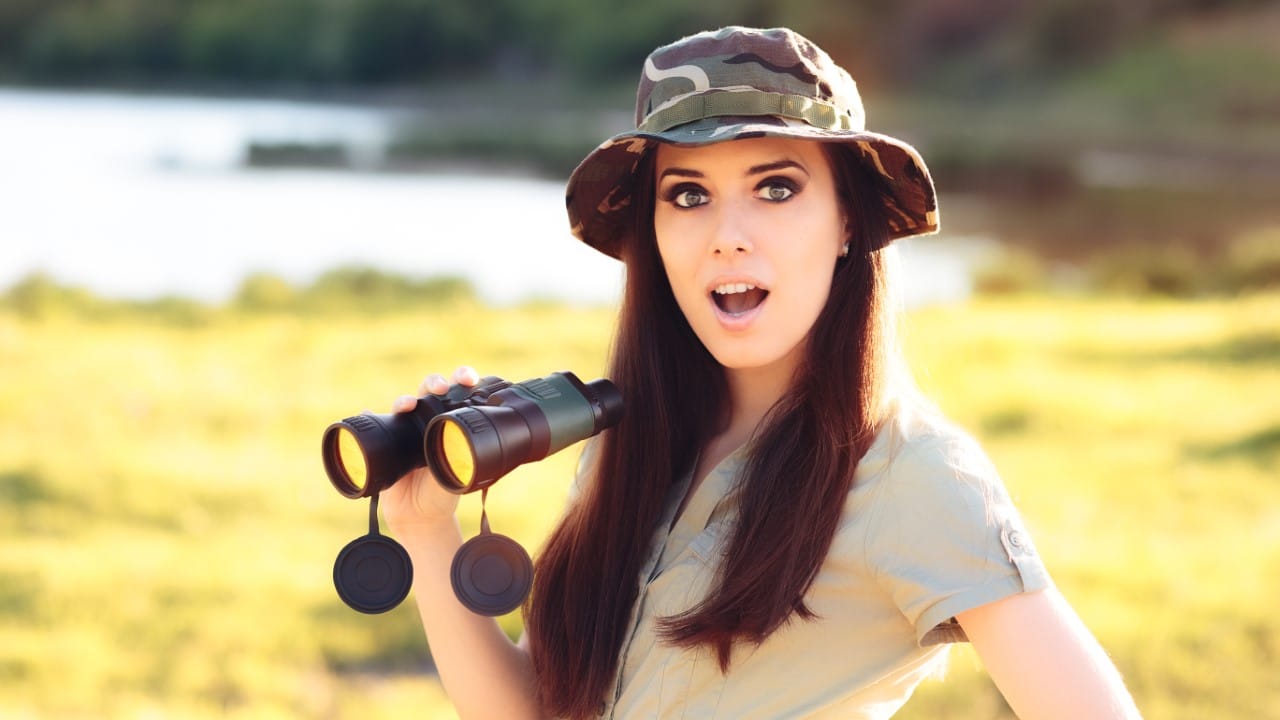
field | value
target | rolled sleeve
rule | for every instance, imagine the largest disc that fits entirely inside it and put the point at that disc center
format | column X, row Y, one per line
column 946, row 538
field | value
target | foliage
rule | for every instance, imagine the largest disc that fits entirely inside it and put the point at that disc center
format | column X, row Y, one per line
column 369, row 290
column 354, row 42
column 167, row 535
column 342, row 290
column 1253, row 261
column 1247, row 263
column 334, row 41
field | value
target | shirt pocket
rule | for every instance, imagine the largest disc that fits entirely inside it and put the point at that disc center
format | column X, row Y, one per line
column 685, row 580
column 708, row 545
column 685, row 682
column 706, row 548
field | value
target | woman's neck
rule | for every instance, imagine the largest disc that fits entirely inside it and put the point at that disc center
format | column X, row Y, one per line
column 752, row 393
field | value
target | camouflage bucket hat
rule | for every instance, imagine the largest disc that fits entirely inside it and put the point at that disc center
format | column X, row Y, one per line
column 737, row 83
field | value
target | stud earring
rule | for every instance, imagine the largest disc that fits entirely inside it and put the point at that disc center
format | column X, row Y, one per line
column 844, row 250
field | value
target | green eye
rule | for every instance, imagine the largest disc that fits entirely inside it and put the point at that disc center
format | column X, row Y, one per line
column 688, row 198
column 775, row 191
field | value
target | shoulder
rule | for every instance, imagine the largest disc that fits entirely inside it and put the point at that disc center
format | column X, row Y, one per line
column 938, row 530
column 930, row 496
column 921, row 458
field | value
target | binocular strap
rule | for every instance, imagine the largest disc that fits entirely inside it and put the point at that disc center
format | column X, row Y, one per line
column 492, row 574
column 373, row 573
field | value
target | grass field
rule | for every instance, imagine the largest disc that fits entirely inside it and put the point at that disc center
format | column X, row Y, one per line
column 167, row 534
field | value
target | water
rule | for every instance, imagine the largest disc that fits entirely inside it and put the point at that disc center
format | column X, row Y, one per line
column 140, row 196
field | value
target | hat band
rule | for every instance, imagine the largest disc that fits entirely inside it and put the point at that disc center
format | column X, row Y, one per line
column 747, row 102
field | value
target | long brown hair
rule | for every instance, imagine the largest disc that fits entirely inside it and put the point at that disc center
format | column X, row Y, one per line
column 803, row 460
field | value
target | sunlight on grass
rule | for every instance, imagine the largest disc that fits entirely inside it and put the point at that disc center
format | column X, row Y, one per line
column 167, row 534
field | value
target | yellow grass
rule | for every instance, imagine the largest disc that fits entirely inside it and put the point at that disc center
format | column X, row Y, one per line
column 167, row 534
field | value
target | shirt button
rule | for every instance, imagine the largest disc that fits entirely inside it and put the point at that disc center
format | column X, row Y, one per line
column 1015, row 539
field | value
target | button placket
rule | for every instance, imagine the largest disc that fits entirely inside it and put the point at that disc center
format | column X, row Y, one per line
column 657, row 548
column 675, row 535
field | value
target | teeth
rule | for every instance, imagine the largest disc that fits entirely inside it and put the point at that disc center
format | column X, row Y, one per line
column 731, row 288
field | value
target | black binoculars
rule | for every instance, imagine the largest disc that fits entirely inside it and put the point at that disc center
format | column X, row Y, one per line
column 470, row 436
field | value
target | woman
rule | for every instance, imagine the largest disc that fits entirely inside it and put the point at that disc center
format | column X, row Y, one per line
column 779, row 527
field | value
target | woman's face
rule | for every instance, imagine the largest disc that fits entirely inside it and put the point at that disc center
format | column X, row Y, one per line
column 749, row 232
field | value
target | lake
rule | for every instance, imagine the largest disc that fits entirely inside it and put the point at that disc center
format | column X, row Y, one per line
column 139, row 196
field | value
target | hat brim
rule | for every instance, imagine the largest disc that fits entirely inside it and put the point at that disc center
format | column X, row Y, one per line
column 598, row 194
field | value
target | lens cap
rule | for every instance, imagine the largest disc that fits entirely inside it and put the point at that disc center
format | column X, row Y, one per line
column 373, row 574
column 491, row 574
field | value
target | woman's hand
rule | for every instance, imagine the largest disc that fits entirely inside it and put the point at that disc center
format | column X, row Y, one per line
column 417, row 501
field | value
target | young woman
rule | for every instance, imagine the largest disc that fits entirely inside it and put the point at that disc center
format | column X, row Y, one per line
column 779, row 527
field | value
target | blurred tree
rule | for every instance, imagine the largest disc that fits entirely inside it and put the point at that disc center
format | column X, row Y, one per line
column 38, row 296
column 17, row 19
column 264, row 291
column 601, row 40
column 366, row 289
column 122, row 40
column 390, row 39
column 959, row 44
column 249, row 40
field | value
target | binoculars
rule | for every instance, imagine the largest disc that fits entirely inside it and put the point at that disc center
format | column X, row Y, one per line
column 470, row 436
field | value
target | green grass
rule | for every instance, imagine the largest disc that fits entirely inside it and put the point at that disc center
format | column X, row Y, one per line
column 167, row 534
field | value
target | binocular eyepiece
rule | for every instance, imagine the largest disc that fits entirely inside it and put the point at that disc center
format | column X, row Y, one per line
column 470, row 436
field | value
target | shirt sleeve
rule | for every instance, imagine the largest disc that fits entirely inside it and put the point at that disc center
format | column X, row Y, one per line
column 945, row 537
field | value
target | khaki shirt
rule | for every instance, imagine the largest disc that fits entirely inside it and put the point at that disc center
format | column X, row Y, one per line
column 928, row 532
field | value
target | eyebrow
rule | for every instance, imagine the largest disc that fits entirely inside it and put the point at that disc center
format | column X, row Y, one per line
column 681, row 172
column 776, row 165
column 753, row 170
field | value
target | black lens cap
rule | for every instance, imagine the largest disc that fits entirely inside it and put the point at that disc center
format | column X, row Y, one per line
column 492, row 574
column 373, row 574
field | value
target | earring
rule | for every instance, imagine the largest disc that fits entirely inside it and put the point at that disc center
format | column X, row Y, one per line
column 844, row 250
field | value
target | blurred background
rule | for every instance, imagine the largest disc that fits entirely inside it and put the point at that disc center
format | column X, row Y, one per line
column 226, row 223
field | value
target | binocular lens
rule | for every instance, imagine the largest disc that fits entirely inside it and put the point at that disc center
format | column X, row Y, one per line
column 351, row 459
column 365, row 454
column 471, row 436
column 456, row 454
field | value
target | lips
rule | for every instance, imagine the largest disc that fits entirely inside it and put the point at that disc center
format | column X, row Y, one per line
column 738, row 298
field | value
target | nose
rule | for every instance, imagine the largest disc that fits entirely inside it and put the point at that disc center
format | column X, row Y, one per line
column 732, row 234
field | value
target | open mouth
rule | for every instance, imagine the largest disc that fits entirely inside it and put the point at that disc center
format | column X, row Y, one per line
column 738, row 298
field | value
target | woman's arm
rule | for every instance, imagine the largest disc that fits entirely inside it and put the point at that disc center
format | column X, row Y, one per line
column 484, row 673
column 1045, row 661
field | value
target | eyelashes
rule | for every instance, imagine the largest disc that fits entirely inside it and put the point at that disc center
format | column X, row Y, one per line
column 686, row 195
column 776, row 189
column 779, row 189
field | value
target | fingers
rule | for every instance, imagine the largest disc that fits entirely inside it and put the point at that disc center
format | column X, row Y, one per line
column 436, row 384
column 466, row 375
column 433, row 384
